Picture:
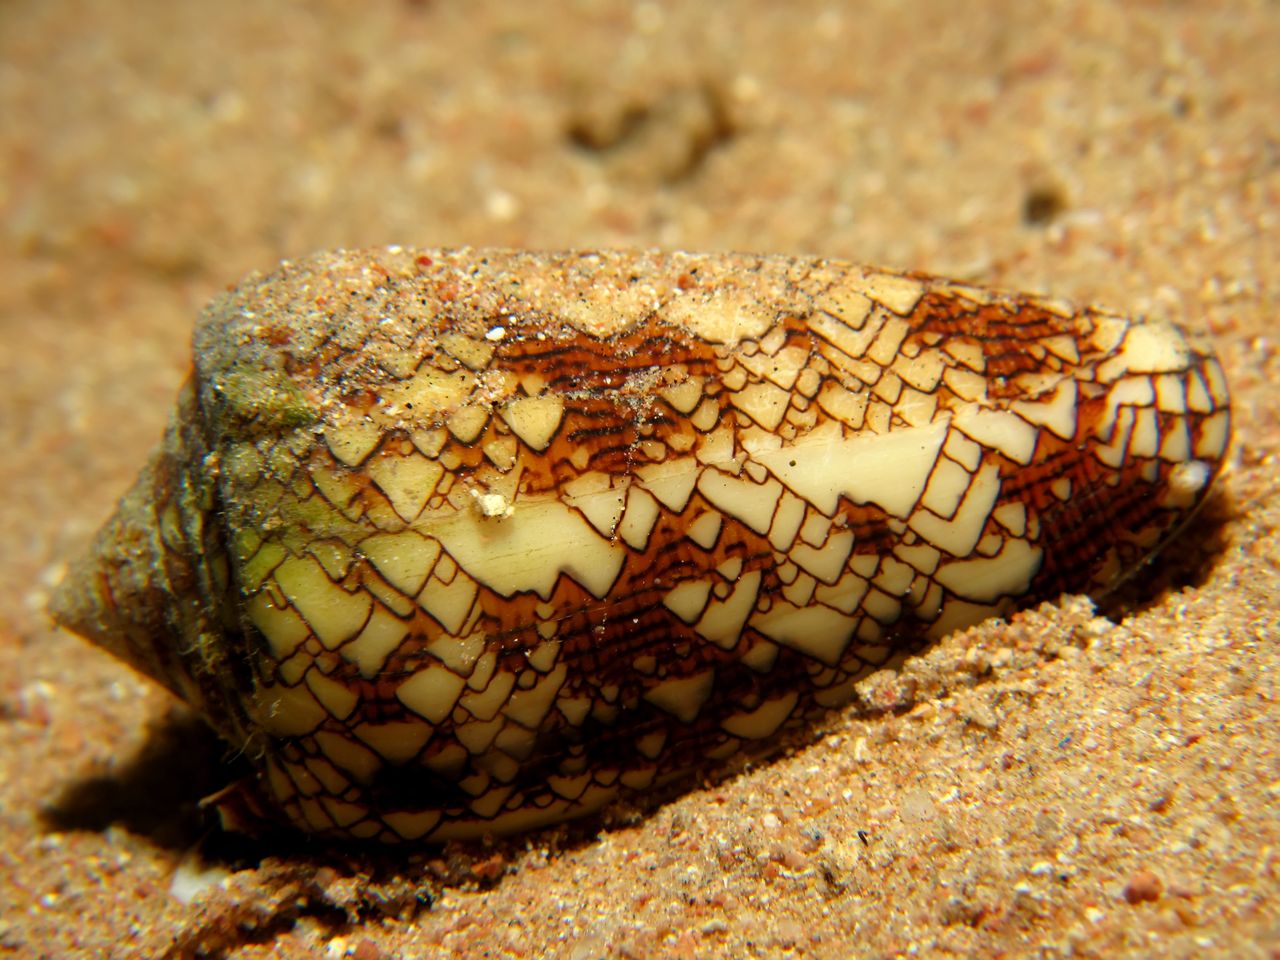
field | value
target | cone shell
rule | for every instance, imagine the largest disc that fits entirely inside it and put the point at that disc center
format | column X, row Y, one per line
column 451, row 542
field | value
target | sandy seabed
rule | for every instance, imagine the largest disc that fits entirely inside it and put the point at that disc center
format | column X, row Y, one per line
column 1077, row 782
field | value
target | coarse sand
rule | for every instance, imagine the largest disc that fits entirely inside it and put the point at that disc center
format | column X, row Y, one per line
column 1080, row 781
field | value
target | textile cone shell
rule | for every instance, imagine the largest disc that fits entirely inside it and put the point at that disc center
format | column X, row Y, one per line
column 451, row 542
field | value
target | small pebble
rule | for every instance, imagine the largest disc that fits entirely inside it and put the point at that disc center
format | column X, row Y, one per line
column 918, row 807
column 1143, row 887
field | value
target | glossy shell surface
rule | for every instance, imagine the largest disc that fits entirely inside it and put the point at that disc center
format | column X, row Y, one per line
column 452, row 542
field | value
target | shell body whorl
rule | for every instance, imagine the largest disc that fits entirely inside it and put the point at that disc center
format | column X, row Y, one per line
column 464, row 541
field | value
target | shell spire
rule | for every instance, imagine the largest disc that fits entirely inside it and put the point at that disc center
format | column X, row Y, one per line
column 153, row 588
column 452, row 542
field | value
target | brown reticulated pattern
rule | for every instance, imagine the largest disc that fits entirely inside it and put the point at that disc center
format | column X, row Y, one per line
column 509, row 535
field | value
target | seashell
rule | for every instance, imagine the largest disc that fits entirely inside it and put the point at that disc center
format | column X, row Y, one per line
column 458, row 542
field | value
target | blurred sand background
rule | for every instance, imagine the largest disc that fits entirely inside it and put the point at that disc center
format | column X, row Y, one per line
column 1065, row 785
